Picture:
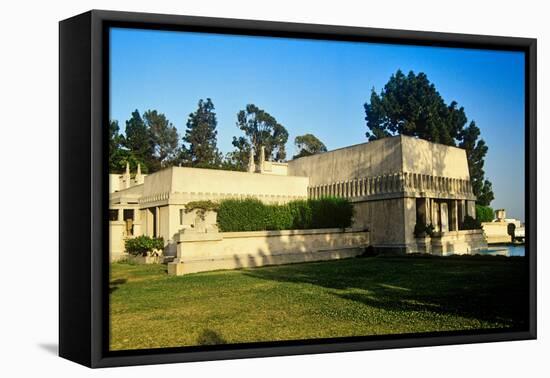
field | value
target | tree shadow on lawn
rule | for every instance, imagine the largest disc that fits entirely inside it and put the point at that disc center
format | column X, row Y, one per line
column 486, row 289
column 114, row 284
column 210, row 337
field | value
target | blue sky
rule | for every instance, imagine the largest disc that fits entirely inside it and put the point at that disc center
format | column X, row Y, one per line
column 318, row 87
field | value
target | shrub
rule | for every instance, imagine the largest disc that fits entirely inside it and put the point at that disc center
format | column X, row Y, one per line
column 241, row 215
column 253, row 215
column 470, row 223
column 421, row 230
column 140, row 245
column 331, row 212
column 484, row 213
column 301, row 214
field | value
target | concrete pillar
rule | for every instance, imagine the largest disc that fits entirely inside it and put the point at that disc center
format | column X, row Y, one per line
column 435, row 215
column 453, row 226
column 262, row 157
column 471, row 208
column 251, row 165
column 444, row 214
column 139, row 176
column 157, row 221
column 421, row 213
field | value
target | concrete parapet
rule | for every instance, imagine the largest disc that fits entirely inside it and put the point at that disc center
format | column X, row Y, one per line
column 496, row 232
column 232, row 250
column 465, row 242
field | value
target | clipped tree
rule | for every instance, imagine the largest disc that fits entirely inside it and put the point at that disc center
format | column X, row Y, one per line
column 308, row 144
column 163, row 139
column 115, row 146
column 201, row 137
column 411, row 105
column 119, row 155
column 138, row 141
column 260, row 129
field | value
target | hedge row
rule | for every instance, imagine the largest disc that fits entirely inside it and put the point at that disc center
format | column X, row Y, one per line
column 254, row 215
column 484, row 213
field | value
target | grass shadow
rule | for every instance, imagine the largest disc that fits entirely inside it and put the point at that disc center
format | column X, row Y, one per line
column 485, row 289
column 210, row 337
column 114, row 284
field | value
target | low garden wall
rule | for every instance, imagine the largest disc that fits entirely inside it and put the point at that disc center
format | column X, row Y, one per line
column 206, row 251
column 496, row 232
column 465, row 242
column 116, row 240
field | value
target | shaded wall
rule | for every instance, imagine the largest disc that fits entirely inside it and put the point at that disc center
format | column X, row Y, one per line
column 198, row 252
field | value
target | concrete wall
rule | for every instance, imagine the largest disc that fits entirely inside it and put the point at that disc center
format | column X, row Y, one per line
column 467, row 242
column 212, row 181
column 198, row 252
column 114, row 182
column 362, row 160
column 496, row 232
column 389, row 155
column 158, row 182
column 423, row 157
column 274, row 168
column 116, row 240
column 384, row 230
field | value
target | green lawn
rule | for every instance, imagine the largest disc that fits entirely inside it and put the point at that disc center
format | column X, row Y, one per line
column 361, row 296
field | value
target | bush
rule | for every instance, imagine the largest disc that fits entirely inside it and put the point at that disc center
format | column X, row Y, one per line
column 484, row 213
column 421, row 230
column 254, row 215
column 140, row 245
column 470, row 223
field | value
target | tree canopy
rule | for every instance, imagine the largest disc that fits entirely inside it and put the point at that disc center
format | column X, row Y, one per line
column 163, row 139
column 260, row 129
column 137, row 140
column 411, row 105
column 308, row 144
column 201, row 137
column 150, row 140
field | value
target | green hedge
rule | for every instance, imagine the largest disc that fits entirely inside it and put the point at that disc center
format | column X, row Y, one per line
column 139, row 246
column 484, row 213
column 254, row 215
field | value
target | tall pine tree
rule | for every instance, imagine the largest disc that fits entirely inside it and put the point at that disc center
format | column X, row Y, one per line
column 163, row 139
column 138, row 142
column 201, row 137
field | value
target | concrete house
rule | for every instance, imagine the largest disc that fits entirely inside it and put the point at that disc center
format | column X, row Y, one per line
column 394, row 183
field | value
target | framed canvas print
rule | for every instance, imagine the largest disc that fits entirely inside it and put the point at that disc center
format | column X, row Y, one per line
column 234, row 188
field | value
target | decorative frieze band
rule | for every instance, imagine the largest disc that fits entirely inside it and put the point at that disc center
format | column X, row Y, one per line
column 193, row 196
column 392, row 183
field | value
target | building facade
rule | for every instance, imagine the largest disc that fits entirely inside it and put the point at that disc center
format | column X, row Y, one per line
column 395, row 184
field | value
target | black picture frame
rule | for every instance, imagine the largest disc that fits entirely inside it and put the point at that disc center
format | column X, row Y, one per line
column 83, row 109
